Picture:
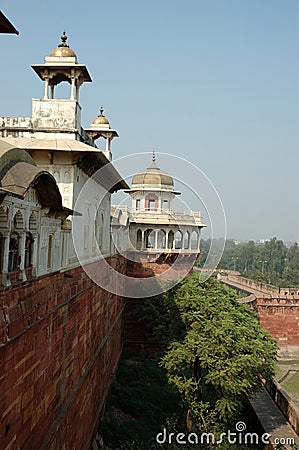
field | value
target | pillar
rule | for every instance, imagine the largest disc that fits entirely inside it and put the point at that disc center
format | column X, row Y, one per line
column 159, row 203
column 46, row 87
column 107, row 150
column 166, row 239
column 189, row 239
column 66, row 228
column 78, row 84
column 156, row 239
column 35, row 237
column 64, row 254
column 22, row 243
column 198, row 241
column 4, row 268
column 107, row 144
column 72, row 97
column 142, row 240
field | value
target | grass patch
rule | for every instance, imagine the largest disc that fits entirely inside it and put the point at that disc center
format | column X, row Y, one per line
column 292, row 383
column 287, row 362
column 140, row 403
column 291, row 386
column 287, row 374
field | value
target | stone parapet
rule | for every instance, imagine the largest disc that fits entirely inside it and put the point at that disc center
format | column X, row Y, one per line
column 285, row 403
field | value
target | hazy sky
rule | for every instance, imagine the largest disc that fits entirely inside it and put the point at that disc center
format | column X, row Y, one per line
column 215, row 82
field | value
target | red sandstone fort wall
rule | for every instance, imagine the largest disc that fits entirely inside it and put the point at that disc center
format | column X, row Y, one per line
column 277, row 308
column 281, row 319
column 60, row 341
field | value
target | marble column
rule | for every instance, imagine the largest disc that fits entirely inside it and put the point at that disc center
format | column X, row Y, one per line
column 34, row 253
column 4, row 269
column 22, row 243
column 46, row 88
column 166, row 239
column 72, row 97
column 156, row 239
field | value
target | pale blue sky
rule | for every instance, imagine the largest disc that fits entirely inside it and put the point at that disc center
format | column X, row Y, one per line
column 216, row 82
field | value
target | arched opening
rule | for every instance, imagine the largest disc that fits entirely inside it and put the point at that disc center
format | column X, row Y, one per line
column 138, row 204
column 161, row 239
column 194, row 240
column 61, row 91
column 178, row 238
column 170, row 239
column 149, row 238
column 28, row 250
column 151, row 202
column 31, row 241
column 13, row 257
column 186, row 240
column 139, row 240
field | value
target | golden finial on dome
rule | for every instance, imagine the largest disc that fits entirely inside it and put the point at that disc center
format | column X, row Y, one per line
column 154, row 156
column 101, row 119
column 63, row 50
column 63, row 40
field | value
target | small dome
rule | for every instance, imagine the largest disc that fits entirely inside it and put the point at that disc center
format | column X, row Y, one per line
column 101, row 119
column 152, row 178
column 63, row 50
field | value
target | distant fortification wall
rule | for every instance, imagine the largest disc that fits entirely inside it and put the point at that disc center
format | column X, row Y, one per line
column 277, row 308
column 265, row 288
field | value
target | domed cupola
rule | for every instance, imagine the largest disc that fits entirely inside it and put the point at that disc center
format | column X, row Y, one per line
column 62, row 65
column 152, row 190
column 100, row 127
column 152, row 179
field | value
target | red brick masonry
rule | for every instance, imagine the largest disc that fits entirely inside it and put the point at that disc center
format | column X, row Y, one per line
column 60, row 341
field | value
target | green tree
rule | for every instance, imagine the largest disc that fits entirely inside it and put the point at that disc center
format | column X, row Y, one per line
column 291, row 266
column 223, row 355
